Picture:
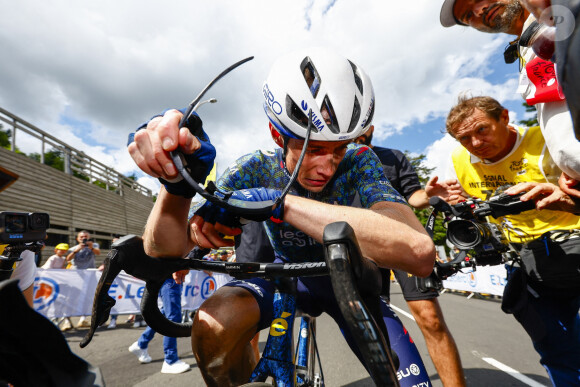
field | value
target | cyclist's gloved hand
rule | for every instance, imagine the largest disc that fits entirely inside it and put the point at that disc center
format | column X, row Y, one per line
column 212, row 213
column 198, row 164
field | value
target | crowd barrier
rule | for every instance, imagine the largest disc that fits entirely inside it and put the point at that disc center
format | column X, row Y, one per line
column 66, row 293
column 486, row 279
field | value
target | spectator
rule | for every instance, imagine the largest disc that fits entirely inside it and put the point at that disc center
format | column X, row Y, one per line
column 423, row 305
column 223, row 255
column 82, row 256
column 543, row 294
column 58, row 260
column 171, row 298
column 510, row 17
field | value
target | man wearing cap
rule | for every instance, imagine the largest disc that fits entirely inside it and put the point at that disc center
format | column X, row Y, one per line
column 510, row 17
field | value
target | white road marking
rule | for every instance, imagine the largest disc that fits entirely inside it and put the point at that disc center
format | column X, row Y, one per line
column 513, row 373
column 500, row 366
column 399, row 310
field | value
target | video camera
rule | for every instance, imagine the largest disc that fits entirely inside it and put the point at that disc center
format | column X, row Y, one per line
column 479, row 242
column 21, row 231
column 23, row 227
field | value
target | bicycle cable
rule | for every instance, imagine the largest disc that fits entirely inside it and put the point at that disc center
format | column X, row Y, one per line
column 238, row 207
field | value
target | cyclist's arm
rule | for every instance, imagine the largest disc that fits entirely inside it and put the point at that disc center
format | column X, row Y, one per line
column 388, row 232
column 167, row 232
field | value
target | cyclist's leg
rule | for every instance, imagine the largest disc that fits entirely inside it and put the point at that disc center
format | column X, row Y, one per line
column 429, row 317
column 223, row 327
column 171, row 297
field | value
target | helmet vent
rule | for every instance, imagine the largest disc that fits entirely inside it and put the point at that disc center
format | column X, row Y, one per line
column 355, row 115
column 296, row 114
column 357, row 79
column 311, row 76
column 325, row 109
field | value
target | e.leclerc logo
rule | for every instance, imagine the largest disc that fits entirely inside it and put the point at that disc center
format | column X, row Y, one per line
column 208, row 287
column 45, row 292
column 472, row 279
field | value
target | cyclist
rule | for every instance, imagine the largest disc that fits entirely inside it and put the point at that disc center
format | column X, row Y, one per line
column 333, row 174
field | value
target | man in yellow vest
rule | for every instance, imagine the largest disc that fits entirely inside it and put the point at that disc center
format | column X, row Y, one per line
column 544, row 294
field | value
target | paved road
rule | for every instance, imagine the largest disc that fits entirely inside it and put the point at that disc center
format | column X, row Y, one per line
column 487, row 339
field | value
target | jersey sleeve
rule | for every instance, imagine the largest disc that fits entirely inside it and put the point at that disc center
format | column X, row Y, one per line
column 372, row 184
column 409, row 180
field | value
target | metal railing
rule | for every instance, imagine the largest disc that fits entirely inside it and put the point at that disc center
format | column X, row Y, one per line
column 76, row 162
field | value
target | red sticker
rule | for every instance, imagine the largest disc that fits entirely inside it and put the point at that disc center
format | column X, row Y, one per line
column 543, row 75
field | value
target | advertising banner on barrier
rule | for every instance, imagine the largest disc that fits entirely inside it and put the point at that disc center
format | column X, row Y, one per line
column 65, row 293
column 486, row 279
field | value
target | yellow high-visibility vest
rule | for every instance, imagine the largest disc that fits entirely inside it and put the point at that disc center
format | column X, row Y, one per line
column 530, row 160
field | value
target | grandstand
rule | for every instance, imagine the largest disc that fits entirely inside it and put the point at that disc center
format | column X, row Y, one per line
column 79, row 192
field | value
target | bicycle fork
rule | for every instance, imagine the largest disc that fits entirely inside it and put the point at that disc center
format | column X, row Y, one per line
column 277, row 357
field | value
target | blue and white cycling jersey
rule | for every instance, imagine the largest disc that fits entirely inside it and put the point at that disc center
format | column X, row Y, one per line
column 359, row 178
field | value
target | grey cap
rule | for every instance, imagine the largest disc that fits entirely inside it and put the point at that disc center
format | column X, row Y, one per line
column 446, row 17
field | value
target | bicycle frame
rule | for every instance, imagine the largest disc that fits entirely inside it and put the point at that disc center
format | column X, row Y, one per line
column 278, row 359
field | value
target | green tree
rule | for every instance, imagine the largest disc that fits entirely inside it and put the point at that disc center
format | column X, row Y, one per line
column 52, row 158
column 533, row 120
column 5, row 136
column 424, row 172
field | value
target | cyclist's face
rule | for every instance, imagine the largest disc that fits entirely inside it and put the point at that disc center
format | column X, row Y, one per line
column 320, row 162
column 485, row 137
column 491, row 16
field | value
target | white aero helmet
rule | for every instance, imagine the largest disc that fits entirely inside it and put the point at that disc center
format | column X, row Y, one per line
column 339, row 93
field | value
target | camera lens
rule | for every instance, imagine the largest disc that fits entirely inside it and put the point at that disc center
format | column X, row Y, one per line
column 465, row 234
column 39, row 221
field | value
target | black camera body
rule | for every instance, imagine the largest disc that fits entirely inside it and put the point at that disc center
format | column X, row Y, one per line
column 23, row 227
column 480, row 243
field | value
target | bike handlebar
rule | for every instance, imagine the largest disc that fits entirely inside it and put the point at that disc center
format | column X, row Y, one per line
column 129, row 255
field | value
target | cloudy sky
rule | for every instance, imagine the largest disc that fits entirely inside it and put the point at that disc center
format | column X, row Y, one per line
column 90, row 72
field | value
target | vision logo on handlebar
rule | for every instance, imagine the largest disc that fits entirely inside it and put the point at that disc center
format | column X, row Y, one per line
column 248, row 210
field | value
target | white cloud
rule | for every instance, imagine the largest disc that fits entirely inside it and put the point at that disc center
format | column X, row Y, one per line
column 438, row 155
column 110, row 65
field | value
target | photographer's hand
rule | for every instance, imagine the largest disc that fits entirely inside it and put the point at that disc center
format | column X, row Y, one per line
column 546, row 196
column 447, row 190
column 569, row 185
